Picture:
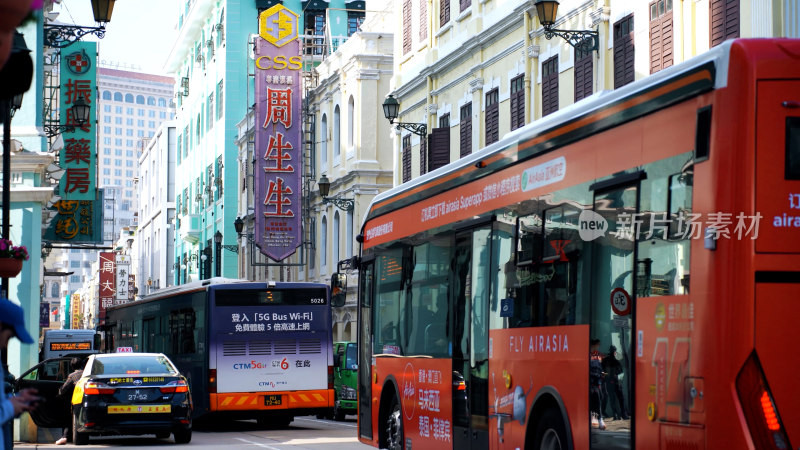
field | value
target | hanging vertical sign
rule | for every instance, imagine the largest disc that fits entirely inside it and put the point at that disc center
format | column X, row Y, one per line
column 277, row 174
column 78, row 157
column 77, row 221
column 123, row 263
column 106, row 276
column 76, row 311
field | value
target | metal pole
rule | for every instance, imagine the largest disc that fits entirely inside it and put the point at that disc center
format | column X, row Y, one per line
column 5, row 107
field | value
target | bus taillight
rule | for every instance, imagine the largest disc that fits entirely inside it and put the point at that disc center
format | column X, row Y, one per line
column 212, row 381
column 759, row 407
column 330, row 377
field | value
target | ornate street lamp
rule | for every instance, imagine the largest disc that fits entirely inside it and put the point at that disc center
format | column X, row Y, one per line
column 346, row 204
column 60, row 36
column 391, row 108
column 583, row 40
column 80, row 112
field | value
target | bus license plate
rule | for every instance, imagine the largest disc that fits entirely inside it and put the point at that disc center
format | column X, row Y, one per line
column 272, row 400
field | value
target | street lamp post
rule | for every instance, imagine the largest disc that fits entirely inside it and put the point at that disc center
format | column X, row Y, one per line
column 346, row 204
column 218, row 251
column 391, row 109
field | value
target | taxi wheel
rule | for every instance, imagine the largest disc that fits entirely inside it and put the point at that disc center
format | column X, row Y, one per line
column 77, row 437
column 183, row 436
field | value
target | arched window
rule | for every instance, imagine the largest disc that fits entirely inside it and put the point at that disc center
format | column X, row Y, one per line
column 323, row 141
column 323, row 239
column 128, row 98
column 162, row 102
column 106, row 95
column 117, row 97
column 312, row 252
column 335, row 238
column 140, row 99
column 349, row 236
column 151, row 101
column 336, row 124
column 351, row 123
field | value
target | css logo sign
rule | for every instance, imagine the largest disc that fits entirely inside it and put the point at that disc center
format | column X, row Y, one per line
column 591, row 225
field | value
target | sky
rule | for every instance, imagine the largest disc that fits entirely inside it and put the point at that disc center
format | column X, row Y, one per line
column 140, row 33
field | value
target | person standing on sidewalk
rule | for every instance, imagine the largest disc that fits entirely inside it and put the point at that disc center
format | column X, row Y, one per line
column 12, row 324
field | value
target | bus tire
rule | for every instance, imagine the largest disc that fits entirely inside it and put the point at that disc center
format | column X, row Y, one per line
column 394, row 426
column 78, row 438
column 338, row 414
column 550, row 433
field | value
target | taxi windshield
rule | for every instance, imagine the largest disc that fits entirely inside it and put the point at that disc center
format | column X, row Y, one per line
column 132, row 365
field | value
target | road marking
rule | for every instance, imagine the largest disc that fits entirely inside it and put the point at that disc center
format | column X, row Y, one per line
column 258, row 444
column 328, row 422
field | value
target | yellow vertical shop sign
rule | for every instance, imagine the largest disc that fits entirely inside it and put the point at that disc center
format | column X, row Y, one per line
column 76, row 311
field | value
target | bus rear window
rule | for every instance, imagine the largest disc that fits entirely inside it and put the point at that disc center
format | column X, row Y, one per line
column 230, row 297
column 793, row 148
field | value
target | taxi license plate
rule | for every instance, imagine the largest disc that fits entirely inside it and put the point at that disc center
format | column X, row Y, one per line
column 272, row 400
column 139, row 409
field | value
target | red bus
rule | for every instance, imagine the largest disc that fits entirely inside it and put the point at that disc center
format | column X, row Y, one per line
column 621, row 274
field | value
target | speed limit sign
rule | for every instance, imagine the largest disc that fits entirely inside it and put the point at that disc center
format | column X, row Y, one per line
column 621, row 302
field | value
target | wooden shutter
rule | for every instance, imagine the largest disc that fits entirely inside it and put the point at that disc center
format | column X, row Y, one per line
column 423, row 20
column 584, row 67
column 406, row 26
column 517, row 101
column 444, row 12
column 724, row 20
column 623, row 52
column 492, row 116
column 423, row 155
column 550, row 85
column 464, row 4
column 661, row 45
column 465, row 130
column 406, row 158
column 439, row 144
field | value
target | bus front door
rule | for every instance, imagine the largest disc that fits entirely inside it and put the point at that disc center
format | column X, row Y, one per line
column 469, row 310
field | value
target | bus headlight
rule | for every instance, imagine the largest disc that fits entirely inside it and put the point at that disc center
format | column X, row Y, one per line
column 347, row 393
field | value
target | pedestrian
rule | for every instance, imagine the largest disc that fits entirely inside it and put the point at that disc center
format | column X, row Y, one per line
column 613, row 369
column 65, row 393
column 596, row 375
column 12, row 324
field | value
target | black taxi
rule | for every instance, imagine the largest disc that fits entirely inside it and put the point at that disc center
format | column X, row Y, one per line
column 131, row 394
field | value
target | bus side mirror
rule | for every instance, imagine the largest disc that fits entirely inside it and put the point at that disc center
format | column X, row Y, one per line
column 338, row 289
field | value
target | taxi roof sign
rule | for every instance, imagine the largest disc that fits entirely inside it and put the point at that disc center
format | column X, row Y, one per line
column 278, row 25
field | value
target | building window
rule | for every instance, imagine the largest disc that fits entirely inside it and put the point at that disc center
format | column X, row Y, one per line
column 423, row 21
column 140, row 99
column 354, row 21
column 550, row 85
column 335, row 238
column 351, row 121
column 517, row 102
column 406, row 158
column 661, row 40
column 337, row 123
column 623, row 52
column 583, row 74
column 724, row 20
column 323, row 141
column 465, row 130
column 219, row 99
column 439, row 144
column 464, row 4
column 210, row 111
column 128, row 98
column 444, row 12
column 349, row 236
column 323, row 259
column 423, row 156
column 492, row 116
column 406, row 26
column 117, row 96
column 106, row 95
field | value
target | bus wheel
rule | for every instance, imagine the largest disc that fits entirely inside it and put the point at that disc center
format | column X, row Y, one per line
column 338, row 414
column 394, row 427
column 550, row 432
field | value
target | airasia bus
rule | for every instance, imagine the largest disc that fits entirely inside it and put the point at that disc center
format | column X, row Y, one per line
column 622, row 274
